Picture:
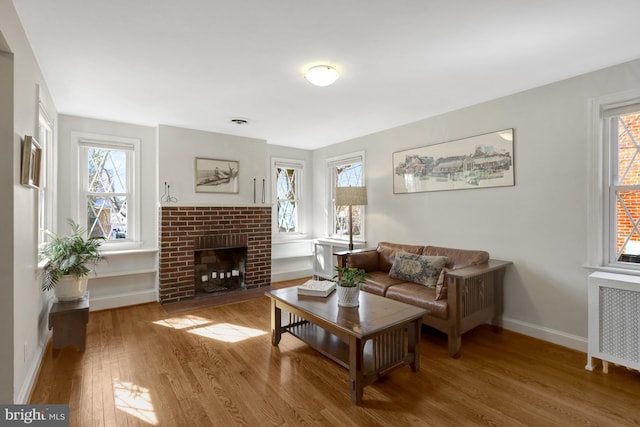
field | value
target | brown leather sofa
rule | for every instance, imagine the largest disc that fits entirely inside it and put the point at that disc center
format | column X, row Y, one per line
column 468, row 293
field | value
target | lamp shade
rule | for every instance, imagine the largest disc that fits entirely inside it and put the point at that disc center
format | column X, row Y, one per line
column 322, row 75
column 351, row 196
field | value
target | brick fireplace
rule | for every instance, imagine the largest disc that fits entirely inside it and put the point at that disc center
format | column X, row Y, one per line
column 183, row 228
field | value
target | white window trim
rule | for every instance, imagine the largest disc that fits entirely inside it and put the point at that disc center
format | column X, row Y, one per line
column 133, row 227
column 599, row 220
column 358, row 156
column 289, row 163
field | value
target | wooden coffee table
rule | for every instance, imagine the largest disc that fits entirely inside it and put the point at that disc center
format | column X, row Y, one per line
column 370, row 341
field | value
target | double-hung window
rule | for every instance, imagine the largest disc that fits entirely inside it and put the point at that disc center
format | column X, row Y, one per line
column 108, row 197
column 345, row 171
column 288, row 192
column 621, row 133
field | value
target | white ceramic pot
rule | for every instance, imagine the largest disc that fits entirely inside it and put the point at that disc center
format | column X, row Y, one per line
column 348, row 296
column 71, row 288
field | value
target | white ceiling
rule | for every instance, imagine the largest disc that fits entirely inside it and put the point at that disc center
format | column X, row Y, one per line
column 199, row 63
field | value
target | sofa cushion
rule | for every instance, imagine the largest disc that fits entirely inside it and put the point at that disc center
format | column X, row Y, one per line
column 458, row 257
column 377, row 282
column 421, row 296
column 386, row 253
column 417, row 268
column 368, row 261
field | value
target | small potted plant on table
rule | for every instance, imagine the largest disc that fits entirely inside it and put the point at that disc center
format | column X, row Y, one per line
column 67, row 258
column 348, row 281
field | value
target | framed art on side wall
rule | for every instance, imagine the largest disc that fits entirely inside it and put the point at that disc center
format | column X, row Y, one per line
column 216, row 176
column 31, row 162
column 476, row 162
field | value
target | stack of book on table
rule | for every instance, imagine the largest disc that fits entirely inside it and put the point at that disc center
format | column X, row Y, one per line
column 317, row 288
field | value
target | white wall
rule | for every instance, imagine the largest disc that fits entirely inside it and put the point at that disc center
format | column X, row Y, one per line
column 178, row 148
column 6, row 216
column 540, row 224
column 128, row 277
column 23, row 308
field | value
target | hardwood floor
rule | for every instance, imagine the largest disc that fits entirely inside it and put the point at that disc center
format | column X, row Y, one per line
column 215, row 366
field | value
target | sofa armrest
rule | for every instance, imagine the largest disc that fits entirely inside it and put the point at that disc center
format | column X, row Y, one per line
column 478, row 269
column 474, row 291
column 365, row 259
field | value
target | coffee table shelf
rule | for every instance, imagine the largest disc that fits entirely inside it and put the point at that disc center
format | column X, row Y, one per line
column 329, row 345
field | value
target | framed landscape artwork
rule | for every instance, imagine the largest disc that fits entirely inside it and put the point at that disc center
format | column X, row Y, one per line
column 216, row 176
column 476, row 162
column 31, row 162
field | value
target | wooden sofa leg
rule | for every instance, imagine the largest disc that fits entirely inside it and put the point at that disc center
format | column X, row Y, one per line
column 455, row 342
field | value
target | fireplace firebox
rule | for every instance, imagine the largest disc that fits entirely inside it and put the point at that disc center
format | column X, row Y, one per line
column 219, row 263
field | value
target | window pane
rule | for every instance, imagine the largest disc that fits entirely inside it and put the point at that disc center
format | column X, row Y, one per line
column 629, row 149
column 107, row 170
column 286, row 195
column 627, row 237
column 107, row 217
column 349, row 175
column 44, row 204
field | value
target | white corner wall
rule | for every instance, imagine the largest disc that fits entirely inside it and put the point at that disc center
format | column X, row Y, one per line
column 23, row 308
column 6, row 216
column 540, row 223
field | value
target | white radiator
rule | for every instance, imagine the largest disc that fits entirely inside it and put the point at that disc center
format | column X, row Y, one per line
column 614, row 320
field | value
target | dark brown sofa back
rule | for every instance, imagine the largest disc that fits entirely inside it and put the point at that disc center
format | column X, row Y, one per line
column 458, row 257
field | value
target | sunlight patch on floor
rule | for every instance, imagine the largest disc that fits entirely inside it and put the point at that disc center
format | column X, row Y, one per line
column 227, row 332
column 135, row 401
column 182, row 322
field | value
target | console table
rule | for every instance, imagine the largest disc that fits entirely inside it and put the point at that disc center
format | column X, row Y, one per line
column 69, row 319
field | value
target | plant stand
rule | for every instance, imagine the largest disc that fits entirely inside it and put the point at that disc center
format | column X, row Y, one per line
column 69, row 323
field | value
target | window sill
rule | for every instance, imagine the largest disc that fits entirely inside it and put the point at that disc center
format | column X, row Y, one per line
column 116, row 252
column 340, row 241
column 115, row 246
column 617, row 270
column 299, row 237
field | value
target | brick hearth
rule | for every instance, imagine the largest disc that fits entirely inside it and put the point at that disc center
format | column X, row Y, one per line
column 181, row 225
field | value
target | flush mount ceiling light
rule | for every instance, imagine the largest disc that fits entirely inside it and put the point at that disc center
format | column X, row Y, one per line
column 321, row 75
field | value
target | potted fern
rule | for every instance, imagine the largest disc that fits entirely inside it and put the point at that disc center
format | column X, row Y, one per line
column 67, row 258
column 348, row 281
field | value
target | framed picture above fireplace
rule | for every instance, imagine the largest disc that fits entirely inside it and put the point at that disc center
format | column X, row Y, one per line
column 216, row 176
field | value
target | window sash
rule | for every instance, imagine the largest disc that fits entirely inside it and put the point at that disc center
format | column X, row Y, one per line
column 295, row 203
column 87, row 196
column 283, row 204
column 338, row 218
column 622, row 219
column 45, row 193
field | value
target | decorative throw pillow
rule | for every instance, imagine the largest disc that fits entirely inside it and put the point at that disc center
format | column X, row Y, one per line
column 441, row 286
column 417, row 268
